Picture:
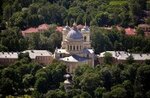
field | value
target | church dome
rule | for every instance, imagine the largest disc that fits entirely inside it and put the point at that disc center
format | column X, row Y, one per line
column 74, row 34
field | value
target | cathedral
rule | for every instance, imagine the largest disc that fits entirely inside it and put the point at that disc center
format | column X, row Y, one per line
column 75, row 48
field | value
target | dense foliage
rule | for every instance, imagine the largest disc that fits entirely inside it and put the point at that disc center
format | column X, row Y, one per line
column 103, row 81
column 97, row 12
column 17, row 15
column 104, row 40
column 26, row 77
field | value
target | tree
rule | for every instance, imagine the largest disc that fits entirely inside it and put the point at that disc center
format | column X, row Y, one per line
column 118, row 92
column 129, row 88
column 130, row 59
column 90, row 82
column 28, row 80
column 102, row 18
column 85, row 95
column 142, row 78
column 99, row 92
column 140, row 32
column 55, row 94
column 41, row 85
column 17, row 19
column 6, row 86
column 108, row 59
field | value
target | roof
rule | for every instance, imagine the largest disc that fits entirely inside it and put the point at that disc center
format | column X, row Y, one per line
column 143, row 25
column 35, row 30
column 74, row 34
column 122, row 55
column 34, row 53
column 130, row 31
column 67, row 81
column 62, row 51
column 88, row 51
column 59, row 29
column 80, row 26
column 43, row 27
column 74, row 58
column 12, row 55
column 85, row 29
column 30, row 30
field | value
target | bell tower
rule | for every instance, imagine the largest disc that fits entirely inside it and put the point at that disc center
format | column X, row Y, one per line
column 86, row 36
column 65, row 31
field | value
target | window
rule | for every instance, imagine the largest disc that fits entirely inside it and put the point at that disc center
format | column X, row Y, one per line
column 77, row 47
column 61, row 55
column 73, row 47
column 87, row 55
column 70, row 47
column 85, row 38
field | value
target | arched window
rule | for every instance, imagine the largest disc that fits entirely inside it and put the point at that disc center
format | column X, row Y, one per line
column 77, row 47
column 87, row 55
column 73, row 47
column 70, row 47
column 85, row 38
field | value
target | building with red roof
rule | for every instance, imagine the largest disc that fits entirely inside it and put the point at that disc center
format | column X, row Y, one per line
column 32, row 30
column 29, row 31
column 130, row 31
column 59, row 29
column 43, row 27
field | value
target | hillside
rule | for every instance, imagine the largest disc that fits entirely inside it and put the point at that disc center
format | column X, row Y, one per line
column 27, row 13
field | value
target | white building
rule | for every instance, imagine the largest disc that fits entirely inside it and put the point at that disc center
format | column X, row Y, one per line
column 40, row 56
column 7, row 58
column 121, row 56
column 76, row 47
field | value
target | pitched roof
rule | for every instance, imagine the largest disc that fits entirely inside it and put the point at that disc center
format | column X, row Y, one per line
column 59, row 29
column 143, row 25
column 35, row 30
column 30, row 30
column 43, row 27
column 34, row 53
column 122, row 55
column 12, row 55
column 130, row 31
column 74, row 58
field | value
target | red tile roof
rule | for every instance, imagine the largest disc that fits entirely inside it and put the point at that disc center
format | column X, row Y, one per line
column 59, row 29
column 35, row 30
column 29, row 30
column 130, row 31
column 80, row 26
column 43, row 27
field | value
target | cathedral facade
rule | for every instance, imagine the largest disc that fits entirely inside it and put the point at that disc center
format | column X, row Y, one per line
column 76, row 48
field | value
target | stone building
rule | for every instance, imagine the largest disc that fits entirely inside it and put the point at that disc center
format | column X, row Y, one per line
column 7, row 58
column 145, row 28
column 40, row 56
column 121, row 57
column 76, row 47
